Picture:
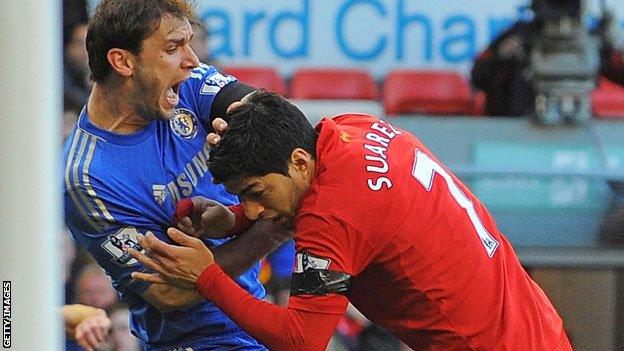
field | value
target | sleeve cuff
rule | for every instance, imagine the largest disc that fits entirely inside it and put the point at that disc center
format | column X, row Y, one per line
column 226, row 96
column 242, row 223
column 209, row 281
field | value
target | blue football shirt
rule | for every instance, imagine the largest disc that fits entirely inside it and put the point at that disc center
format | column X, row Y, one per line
column 117, row 186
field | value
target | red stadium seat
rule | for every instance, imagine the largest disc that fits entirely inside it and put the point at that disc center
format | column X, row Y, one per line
column 608, row 100
column 259, row 77
column 427, row 92
column 328, row 83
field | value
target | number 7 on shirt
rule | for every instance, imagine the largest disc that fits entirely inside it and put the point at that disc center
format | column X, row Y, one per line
column 425, row 169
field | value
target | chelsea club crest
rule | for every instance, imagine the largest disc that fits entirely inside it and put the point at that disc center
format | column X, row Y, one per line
column 184, row 123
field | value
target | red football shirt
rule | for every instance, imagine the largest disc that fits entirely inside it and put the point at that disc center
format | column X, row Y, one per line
column 426, row 259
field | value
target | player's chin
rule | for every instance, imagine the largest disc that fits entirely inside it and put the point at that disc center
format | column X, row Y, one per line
column 166, row 113
column 166, row 107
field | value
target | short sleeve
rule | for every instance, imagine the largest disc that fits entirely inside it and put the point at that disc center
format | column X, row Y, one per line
column 198, row 92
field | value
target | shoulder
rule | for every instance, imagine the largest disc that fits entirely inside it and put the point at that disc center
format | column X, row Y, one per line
column 81, row 156
column 87, row 193
column 206, row 80
column 354, row 144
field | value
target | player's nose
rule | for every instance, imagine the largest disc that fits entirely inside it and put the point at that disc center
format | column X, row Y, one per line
column 253, row 210
column 190, row 59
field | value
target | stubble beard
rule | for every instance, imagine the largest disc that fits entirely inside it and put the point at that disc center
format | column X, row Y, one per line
column 146, row 99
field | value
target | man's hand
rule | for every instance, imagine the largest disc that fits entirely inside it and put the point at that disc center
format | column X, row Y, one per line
column 220, row 126
column 89, row 326
column 179, row 266
column 93, row 331
column 207, row 218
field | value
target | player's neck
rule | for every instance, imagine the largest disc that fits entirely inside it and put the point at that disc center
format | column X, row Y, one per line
column 109, row 110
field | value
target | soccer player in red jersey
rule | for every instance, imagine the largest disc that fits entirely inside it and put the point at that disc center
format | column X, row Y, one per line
column 379, row 222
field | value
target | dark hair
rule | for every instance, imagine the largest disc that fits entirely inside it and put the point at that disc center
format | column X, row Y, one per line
column 262, row 135
column 69, row 31
column 74, row 13
column 125, row 24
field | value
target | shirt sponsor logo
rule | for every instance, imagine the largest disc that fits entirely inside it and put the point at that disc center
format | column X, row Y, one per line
column 118, row 244
column 185, row 183
column 305, row 261
column 184, row 123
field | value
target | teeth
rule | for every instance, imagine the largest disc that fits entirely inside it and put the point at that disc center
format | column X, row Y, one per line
column 172, row 96
column 171, row 92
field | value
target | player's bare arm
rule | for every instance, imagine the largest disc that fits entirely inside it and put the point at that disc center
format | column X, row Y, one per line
column 201, row 217
column 240, row 253
column 286, row 329
column 234, row 257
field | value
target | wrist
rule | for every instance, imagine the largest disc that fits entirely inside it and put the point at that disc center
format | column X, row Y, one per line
column 204, row 282
column 241, row 222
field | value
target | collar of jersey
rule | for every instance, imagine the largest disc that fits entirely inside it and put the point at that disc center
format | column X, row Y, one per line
column 121, row 139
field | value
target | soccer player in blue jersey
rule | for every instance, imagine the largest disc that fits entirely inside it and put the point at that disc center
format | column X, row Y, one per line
column 137, row 150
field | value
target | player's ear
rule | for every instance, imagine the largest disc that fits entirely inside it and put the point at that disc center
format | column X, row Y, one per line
column 301, row 160
column 122, row 61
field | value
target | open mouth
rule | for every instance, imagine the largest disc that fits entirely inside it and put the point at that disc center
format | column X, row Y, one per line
column 172, row 96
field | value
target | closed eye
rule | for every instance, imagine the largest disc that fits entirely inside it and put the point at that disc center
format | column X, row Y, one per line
column 254, row 195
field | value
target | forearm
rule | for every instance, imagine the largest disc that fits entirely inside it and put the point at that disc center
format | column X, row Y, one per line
column 239, row 254
column 276, row 327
